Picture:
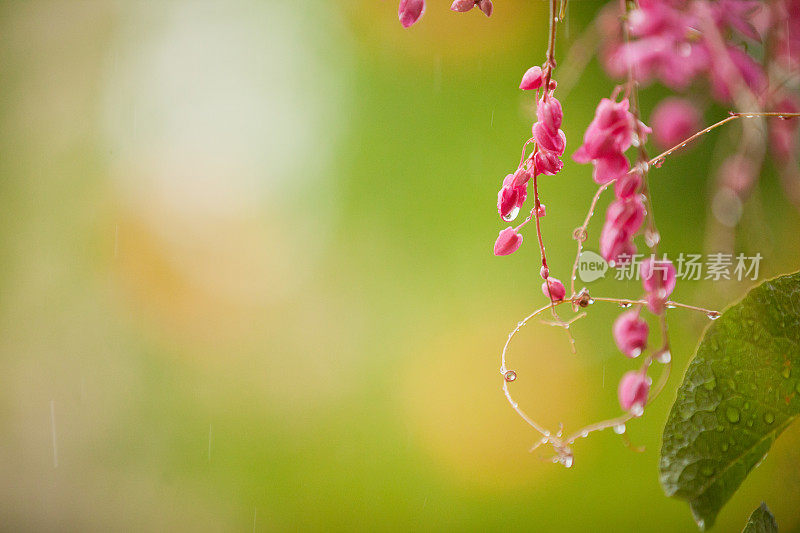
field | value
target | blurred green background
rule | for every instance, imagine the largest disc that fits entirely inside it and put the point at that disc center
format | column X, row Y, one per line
column 247, row 279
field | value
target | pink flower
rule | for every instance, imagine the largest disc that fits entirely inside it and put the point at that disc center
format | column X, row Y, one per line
column 630, row 333
column 521, row 177
column 462, row 5
column 507, row 242
column 616, row 246
column 551, row 141
column 633, row 390
column 549, row 113
column 554, row 289
column 532, row 79
column 627, row 184
column 674, row 120
column 410, row 11
column 548, row 163
column 610, row 132
column 610, row 167
column 730, row 72
column 658, row 276
column 626, row 214
column 510, row 198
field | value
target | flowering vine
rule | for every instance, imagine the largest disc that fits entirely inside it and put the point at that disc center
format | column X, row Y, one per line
column 683, row 44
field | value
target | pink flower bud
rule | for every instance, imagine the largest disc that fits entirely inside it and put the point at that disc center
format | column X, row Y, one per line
column 548, row 163
column 630, row 333
column 462, row 5
column 633, row 390
column 552, row 142
column 615, row 245
column 658, row 277
column 549, row 113
column 610, row 167
column 541, row 211
column 510, row 198
column 507, row 242
column 521, row 177
column 674, row 120
column 626, row 214
column 532, row 79
column 507, row 200
column 486, row 6
column 556, row 291
column 627, row 185
column 410, row 11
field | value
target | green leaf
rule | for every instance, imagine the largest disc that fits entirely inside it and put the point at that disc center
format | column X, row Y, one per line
column 761, row 521
column 741, row 390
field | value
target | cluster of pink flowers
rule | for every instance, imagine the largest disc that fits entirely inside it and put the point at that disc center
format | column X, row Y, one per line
column 630, row 331
column 681, row 42
column 410, row 11
column 614, row 130
column 549, row 145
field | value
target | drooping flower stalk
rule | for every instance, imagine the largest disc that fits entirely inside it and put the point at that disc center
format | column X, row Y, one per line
column 678, row 43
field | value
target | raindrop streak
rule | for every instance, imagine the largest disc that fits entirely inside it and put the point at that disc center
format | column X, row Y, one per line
column 53, row 430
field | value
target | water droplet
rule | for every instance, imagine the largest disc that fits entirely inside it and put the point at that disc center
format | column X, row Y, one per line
column 511, row 214
column 636, row 352
column 732, row 414
column 724, row 447
column 637, row 409
column 750, row 422
column 746, row 405
column 651, row 238
column 619, row 429
column 625, row 305
column 567, row 461
column 584, row 434
column 700, row 523
column 797, row 387
column 510, row 376
column 669, row 306
column 787, row 372
column 769, row 418
column 664, row 357
column 707, row 471
column 713, row 315
column 520, row 324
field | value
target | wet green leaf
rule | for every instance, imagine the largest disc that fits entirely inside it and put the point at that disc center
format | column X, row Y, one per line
column 761, row 521
column 741, row 390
